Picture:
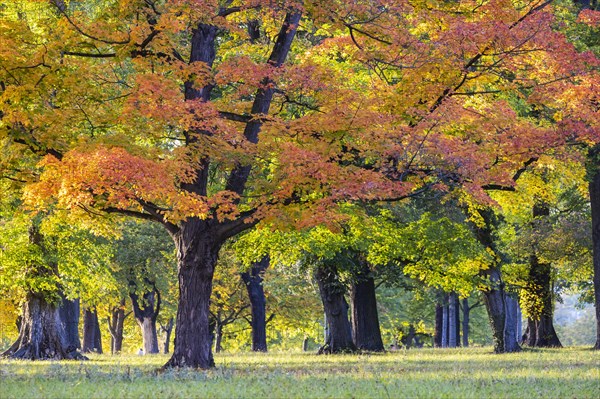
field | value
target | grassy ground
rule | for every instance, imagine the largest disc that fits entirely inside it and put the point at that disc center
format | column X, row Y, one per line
column 458, row 373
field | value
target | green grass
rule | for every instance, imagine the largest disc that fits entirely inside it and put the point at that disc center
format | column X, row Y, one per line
column 459, row 373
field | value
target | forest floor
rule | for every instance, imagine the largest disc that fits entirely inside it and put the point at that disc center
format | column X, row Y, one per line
column 439, row 373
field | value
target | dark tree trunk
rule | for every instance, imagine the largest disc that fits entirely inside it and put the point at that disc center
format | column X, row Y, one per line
column 197, row 251
column 466, row 311
column 530, row 336
column 540, row 287
column 511, row 337
column 439, row 321
column 452, row 320
column 365, row 320
column 494, row 295
column 594, row 189
column 92, row 340
column 218, row 337
column 167, row 330
column 253, row 280
column 42, row 333
column 445, row 322
column 69, row 314
column 145, row 312
column 336, row 311
column 115, row 327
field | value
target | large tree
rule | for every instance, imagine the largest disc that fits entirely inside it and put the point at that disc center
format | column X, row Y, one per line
column 154, row 109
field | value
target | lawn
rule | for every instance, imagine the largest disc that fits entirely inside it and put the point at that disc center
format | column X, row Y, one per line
column 450, row 373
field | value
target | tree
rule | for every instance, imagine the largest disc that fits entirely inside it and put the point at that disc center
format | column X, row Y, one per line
column 253, row 279
column 174, row 138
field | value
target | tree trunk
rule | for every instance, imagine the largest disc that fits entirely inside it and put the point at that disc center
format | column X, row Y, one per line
column 145, row 313
column 452, row 320
column 365, row 320
column 42, row 333
column 445, row 321
column 115, row 327
column 540, row 287
column 218, row 337
column 336, row 311
column 69, row 314
column 466, row 311
column 197, row 251
column 511, row 337
column 494, row 295
column 253, row 280
column 439, row 330
column 92, row 340
column 167, row 330
column 594, row 189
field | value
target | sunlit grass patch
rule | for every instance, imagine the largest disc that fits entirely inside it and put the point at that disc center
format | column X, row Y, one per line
column 464, row 373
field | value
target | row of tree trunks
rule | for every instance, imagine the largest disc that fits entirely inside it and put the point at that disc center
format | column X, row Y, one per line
column 45, row 332
column 447, row 322
column 253, row 280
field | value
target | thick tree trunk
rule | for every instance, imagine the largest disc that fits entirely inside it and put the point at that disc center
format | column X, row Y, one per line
column 115, row 327
column 466, row 311
column 145, row 313
column 92, row 339
column 42, row 333
column 167, row 330
column 594, row 189
column 197, row 251
column 336, row 311
column 69, row 314
column 253, row 280
column 365, row 320
column 439, row 320
column 540, row 286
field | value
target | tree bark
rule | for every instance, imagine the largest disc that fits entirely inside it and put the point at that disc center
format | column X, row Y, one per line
column 197, row 250
column 218, row 337
column 511, row 336
column 336, row 311
column 69, row 314
column 145, row 313
column 594, row 189
column 445, row 321
column 452, row 320
column 253, row 280
column 167, row 330
column 439, row 320
column 43, row 334
column 366, row 332
column 115, row 327
column 92, row 339
column 466, row 311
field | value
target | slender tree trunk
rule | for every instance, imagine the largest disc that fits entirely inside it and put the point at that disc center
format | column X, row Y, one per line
column 452, row 320
column 218, row 337
column 167, row 330
column 466, row 311
column 253, row 280
column 145, row 313
column 445, row 322
column 594, row 189
column 42, row 333
column 92, row 339
column 365, row 320
column 336, row 311
column 115, row 327
column 439, row 328
column 519, row 322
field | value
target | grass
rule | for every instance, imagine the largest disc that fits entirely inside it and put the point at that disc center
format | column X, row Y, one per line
column 450, row 373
